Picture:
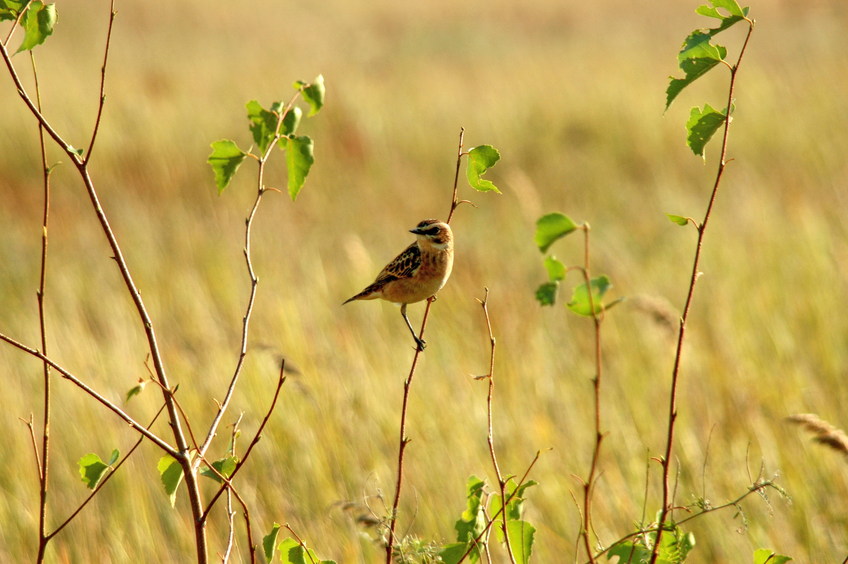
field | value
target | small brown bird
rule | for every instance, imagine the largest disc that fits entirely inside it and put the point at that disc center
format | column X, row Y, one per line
column 417, row 273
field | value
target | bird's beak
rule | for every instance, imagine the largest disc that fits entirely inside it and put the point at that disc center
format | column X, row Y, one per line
column 416, row 231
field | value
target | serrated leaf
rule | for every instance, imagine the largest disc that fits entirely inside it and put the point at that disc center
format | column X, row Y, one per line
column 481, row 159
column 92, row 468
column 299, row 160
column 225, row 159
column 696, row 57
column 766, row 556
column 580, row 303
column 701, row 126
column 731, row 6
column 263, row 124
column 269, row 542
column 224, row 466
column 546, row 293
column 9, row 9
column 171, row 474
column 556, row 269
column 551, row 227
column 678, row 219
column 313, row 94
column 290, row 121
column 38, row 23
column 521, row 535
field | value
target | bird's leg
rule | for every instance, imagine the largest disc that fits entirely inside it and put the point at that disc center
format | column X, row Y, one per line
column 420, row 344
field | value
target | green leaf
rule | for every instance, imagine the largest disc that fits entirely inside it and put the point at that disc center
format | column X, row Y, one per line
column 269, row 542
column 291, row 552
column 696, row 58
column 135, row 390
column 678, row 219
column 520, row 535
column 551, row 227
column 546, row 293
column 629, row 552
column 92, row 468
column 481, row 159
column 472, row 522
column 9, row 9
column 299, row 160
column 556, row 270
column 453, row 552
column 580, row 303
column 290, row 121
column 224, row 466
column 38, row 23
column 225, row 159
column 313, row 93
column 171, row 474
column 766, row 556
column 702, row 124
column 737, row 14
column 263, row 124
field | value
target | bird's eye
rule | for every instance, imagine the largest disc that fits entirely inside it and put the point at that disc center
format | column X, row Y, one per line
column 432, row 232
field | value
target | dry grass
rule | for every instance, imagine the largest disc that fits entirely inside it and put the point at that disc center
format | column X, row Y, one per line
column 573, row 99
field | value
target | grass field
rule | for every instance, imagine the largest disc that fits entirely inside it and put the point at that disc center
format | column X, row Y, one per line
column 573, row 98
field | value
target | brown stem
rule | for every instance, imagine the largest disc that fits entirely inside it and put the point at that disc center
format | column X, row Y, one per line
column 667, row 500
column 112, row 14
column 403, row 441
column 490, row 435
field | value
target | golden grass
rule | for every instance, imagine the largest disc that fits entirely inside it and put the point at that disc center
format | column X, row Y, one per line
column 573, row 98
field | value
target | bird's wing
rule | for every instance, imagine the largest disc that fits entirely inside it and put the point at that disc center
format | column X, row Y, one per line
column 404, row 266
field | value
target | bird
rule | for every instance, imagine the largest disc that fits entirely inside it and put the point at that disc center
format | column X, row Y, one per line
column 416, row 274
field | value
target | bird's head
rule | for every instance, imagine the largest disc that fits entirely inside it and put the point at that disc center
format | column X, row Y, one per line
column 434, row 232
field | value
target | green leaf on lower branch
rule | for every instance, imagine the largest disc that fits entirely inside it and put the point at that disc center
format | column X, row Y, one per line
column 38, row 23
column 556, row 269
column 269, row 542
column 678, row 219
column 171, row 474
column 546, row 294
column 481, row 159
column 581, row 303
column 453, row 552
column 292, row 552
column 520, row 534
column 702, row 124
column 766, row 556
column 225, row 159
column 92, row 468
column 551, row 227
column 299, row 159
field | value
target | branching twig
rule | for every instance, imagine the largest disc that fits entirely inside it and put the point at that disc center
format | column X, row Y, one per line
column 254, row 281
column 490, row 435
column 96, row 129
column 404, row 440
column 280, row 381
column 675, row 375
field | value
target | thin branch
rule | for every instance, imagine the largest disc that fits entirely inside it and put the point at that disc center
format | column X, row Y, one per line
column 108, row 404
column 490, row 435
column 254, row 281
column 105, row 479
column 301, row 543
column 112, row 14
column 280, row 381
column 44, row 467
column 403, row 441
column 675, row 375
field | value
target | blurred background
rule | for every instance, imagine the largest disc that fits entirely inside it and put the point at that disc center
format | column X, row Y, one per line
column 573, row 96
